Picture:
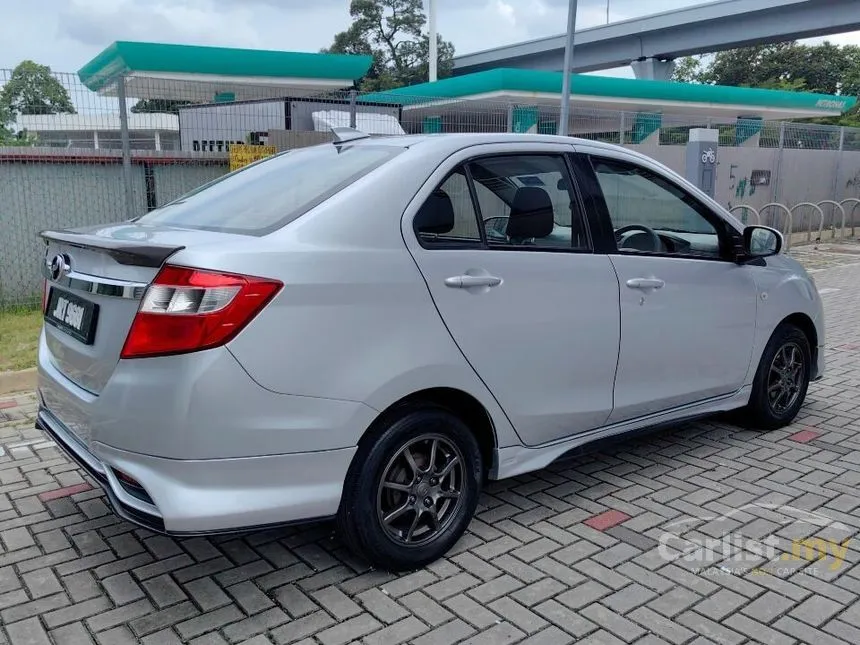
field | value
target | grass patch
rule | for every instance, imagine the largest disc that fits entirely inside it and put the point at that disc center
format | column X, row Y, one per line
column 19, row 338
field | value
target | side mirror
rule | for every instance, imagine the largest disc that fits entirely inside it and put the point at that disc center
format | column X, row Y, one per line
column 761, row 241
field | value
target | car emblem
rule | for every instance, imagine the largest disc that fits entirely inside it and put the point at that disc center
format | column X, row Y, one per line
column 59, row 266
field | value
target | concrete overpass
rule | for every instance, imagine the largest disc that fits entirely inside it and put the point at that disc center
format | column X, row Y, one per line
column 649, row 44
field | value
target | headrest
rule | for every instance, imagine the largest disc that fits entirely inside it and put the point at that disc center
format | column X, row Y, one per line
column 531, row 214
column 436, row 215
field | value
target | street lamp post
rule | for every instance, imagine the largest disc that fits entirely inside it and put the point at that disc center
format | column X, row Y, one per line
column 563, row 122
column 434, row 54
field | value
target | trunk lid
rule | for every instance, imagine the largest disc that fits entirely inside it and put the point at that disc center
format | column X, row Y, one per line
column 95, row 277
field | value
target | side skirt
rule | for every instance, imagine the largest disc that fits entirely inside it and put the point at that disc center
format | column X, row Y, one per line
column 516, row 460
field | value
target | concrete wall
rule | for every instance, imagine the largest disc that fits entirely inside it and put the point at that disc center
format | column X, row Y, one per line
column 795, row 176
column 172, row 181
column 42, row 192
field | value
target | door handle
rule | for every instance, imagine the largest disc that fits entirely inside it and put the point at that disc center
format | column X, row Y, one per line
column 645, row 283
column 467, row 281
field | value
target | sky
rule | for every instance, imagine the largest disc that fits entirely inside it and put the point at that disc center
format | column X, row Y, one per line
column 65, row 34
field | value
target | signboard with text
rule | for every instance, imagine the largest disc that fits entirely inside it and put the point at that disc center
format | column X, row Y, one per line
column 243, row 154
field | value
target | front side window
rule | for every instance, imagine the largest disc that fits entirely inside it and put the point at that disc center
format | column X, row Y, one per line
column 527, row 201
column 266, row 195
column 650, row 214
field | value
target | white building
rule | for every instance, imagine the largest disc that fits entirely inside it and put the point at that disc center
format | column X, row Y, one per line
column 146, row 131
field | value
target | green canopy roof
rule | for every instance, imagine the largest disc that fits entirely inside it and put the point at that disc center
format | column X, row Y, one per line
column 179, row 61
column 638, row 93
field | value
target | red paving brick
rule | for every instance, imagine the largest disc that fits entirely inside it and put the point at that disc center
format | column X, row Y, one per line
column 7, row 404
column 47, row 496
column 804, row 436
column 607, row 520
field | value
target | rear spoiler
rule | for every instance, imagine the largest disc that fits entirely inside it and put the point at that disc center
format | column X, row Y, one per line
column 122, row 251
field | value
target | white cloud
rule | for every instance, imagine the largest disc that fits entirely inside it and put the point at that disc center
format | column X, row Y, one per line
column 99, row 22
column 506, row 12
column 65, row 34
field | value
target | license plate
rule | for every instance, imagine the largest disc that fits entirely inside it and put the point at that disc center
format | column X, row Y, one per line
column 75, row 316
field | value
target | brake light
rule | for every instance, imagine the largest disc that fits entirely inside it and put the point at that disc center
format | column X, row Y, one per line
column 186, row 310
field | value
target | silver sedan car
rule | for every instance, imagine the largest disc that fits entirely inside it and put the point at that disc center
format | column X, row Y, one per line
column 369, row 329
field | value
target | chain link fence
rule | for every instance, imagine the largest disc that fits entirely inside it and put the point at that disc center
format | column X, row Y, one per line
column 71, row 157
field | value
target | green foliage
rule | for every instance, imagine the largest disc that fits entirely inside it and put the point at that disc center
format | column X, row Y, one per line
column 392, row 31
column 824, row 68
column 149, row 106
column 687, row 69
column 8, row 138
column 31, row 89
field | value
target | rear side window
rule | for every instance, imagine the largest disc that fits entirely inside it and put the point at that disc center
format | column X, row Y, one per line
column 448, row 216
column 266, row 195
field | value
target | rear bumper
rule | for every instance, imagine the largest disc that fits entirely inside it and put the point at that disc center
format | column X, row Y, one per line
column 211, row 449
column 192, row 497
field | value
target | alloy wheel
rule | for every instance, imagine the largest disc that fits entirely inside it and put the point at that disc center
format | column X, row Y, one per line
column 421, row 489
column 785, row 378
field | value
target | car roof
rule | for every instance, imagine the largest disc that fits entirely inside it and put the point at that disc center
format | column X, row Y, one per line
column 457, row 141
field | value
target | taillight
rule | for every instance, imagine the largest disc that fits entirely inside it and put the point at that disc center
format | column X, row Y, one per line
column 186, row 310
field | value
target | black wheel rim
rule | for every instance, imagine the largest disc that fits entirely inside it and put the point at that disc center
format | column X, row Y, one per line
column 785, row 378
column 421, row 490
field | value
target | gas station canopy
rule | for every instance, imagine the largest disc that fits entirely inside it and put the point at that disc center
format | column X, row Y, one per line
column 196, row 73
column 543, row 89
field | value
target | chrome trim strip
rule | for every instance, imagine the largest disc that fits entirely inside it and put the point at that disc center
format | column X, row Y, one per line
column 97, row 285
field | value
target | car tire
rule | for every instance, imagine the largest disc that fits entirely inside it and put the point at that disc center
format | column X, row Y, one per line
column 781, row 380
column 383, row 480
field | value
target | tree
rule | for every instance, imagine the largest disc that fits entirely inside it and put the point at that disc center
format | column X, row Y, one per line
column 687, row 69
column 757, row 66
column 31, row 89
column 149, row 106
column 392, row 31
column 851, row 77
column 824, row 68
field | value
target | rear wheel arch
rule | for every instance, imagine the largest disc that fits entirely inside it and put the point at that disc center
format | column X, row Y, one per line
column 462, row 404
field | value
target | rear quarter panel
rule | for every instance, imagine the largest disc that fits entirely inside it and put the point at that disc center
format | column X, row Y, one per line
column 354, row 320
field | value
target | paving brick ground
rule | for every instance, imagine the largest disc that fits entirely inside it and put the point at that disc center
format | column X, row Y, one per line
column 705, row 533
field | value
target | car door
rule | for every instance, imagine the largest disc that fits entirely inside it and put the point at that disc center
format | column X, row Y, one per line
column 688, row 310
column 503, row 245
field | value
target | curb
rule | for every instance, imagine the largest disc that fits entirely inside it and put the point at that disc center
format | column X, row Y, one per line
column 20, row 381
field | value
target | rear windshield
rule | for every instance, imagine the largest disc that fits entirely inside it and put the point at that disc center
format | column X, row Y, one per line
column 268, row 194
